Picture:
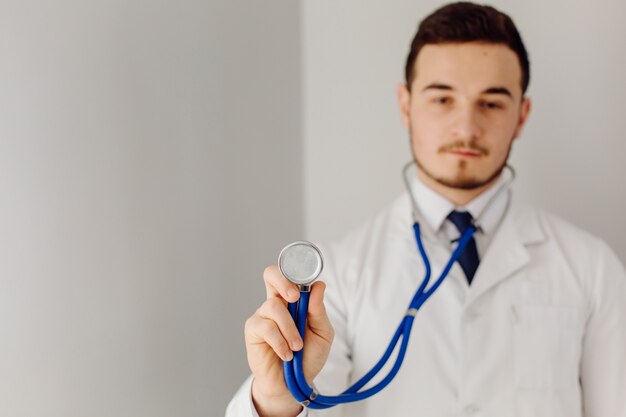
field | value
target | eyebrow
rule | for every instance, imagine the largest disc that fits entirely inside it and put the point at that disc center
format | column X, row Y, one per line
column 437, row 86
column 498, row 90
column 491, row 90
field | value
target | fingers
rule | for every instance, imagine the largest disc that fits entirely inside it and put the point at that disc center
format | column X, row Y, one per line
column 276, row 285
column 272, row 323
column 275, row 310
column 318, row 320
column 261, row 330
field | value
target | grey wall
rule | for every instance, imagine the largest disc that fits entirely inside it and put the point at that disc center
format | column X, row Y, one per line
column 569, row 160
column 139, row 145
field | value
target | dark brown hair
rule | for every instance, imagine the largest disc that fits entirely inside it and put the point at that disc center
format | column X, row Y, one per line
column 468, row 22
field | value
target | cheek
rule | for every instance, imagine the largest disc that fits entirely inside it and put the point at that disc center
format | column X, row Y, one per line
column 506, row 124
column 427, row 131
column 501, row 132
column 424, row 139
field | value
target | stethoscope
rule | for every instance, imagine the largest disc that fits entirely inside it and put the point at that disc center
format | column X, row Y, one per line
column 301, row 263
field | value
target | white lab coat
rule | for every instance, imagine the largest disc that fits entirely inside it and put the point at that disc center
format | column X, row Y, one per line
column 540, row 332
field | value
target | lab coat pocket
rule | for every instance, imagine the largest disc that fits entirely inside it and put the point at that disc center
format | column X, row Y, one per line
column 547, row 343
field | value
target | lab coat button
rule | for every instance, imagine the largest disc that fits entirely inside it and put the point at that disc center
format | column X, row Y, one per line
column 472, row 409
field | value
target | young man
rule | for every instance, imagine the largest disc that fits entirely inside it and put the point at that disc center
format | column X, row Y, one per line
column 530, row 322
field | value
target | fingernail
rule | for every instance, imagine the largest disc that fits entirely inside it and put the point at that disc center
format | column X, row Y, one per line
column 288, row 355
column 296, row 344
column 291, row 293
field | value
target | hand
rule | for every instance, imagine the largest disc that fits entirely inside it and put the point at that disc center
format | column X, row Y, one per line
column 271, row 335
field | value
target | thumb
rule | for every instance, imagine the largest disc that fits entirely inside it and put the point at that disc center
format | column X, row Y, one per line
column 317, row 318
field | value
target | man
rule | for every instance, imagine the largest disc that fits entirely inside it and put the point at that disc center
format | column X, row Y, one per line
column 531, row 320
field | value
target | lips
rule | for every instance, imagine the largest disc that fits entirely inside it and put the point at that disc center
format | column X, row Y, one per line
column 464, row 149
column 466, row 153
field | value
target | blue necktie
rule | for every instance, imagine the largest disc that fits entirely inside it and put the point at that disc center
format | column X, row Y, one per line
column 469, row 257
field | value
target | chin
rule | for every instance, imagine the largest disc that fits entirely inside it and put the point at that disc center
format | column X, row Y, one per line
column 461, row 183
column 466, row 181
column 463, row 174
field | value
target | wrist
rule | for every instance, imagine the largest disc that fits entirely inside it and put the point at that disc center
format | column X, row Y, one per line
column 268, row 405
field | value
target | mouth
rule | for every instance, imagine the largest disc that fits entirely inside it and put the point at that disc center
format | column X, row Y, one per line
column 466, row 153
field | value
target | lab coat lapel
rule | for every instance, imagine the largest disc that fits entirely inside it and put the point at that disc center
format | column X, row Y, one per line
column 508, row 251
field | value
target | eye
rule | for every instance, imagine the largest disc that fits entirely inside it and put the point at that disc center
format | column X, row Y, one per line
column 442, row 100
column 491, row 105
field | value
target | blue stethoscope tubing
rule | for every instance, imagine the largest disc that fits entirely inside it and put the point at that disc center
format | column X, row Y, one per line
column 293, row 369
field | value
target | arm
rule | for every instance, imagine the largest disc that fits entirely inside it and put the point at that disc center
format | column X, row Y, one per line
column 603, row 366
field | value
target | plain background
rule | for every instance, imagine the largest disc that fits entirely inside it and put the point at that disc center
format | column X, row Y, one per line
column 155, row 156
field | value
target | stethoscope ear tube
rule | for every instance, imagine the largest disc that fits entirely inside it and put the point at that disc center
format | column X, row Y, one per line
column 293, row 369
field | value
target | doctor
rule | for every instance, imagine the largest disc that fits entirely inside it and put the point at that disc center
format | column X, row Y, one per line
column 532, row 320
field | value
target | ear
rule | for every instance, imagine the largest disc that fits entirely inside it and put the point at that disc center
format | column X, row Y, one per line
column 523, row 116
column 403, row 96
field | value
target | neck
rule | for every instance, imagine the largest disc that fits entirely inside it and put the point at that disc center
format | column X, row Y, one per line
column 457, row 196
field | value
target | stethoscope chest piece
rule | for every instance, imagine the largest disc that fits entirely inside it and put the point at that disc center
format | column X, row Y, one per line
column 301, row 263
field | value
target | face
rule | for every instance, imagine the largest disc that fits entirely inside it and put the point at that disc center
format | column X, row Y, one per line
column 463, row 111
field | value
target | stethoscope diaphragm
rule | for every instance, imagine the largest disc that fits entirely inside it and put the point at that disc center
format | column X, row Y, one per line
column 301, row 262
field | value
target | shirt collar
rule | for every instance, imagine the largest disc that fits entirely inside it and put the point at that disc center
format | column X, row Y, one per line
column 435, row 208
column 492, row 214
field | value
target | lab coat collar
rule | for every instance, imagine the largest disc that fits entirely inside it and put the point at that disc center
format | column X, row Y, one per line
column 508, row 251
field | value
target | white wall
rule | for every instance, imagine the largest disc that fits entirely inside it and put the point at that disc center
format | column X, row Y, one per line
column 569, row 159
column 140, row 145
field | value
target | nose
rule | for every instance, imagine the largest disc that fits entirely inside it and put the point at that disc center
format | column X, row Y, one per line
column 466, row 125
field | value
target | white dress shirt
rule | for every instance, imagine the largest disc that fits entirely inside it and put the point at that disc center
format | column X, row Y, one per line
column 435, row 208
column 541, row 332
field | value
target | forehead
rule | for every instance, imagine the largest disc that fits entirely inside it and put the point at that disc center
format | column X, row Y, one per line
column 469, row 67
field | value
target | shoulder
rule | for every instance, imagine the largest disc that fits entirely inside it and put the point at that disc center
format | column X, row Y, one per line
column 567, row 235
column 559, row 240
